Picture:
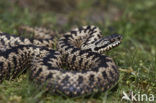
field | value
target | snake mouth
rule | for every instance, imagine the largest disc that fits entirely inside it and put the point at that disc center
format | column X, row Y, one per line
column 110, row 46
column 108, row 42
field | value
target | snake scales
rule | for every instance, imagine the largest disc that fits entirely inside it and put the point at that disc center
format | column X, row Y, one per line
column 87, row 70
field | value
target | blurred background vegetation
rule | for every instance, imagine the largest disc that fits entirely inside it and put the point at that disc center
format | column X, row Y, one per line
column 136, row 56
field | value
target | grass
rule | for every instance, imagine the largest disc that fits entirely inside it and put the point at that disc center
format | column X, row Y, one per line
column 135, row 57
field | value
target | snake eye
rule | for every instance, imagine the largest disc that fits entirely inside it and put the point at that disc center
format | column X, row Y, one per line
column 112, row 40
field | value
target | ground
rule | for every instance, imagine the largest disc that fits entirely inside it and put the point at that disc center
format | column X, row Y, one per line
column 135, row 57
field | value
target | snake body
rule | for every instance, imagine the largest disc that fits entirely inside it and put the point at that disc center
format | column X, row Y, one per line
column 79, row 51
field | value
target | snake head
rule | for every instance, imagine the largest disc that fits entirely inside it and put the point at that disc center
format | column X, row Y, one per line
column 107, row 43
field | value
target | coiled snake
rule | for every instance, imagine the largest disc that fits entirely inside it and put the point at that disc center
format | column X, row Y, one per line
column 78, row 51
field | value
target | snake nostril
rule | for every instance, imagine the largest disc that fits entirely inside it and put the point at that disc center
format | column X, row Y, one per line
column 119, row 38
